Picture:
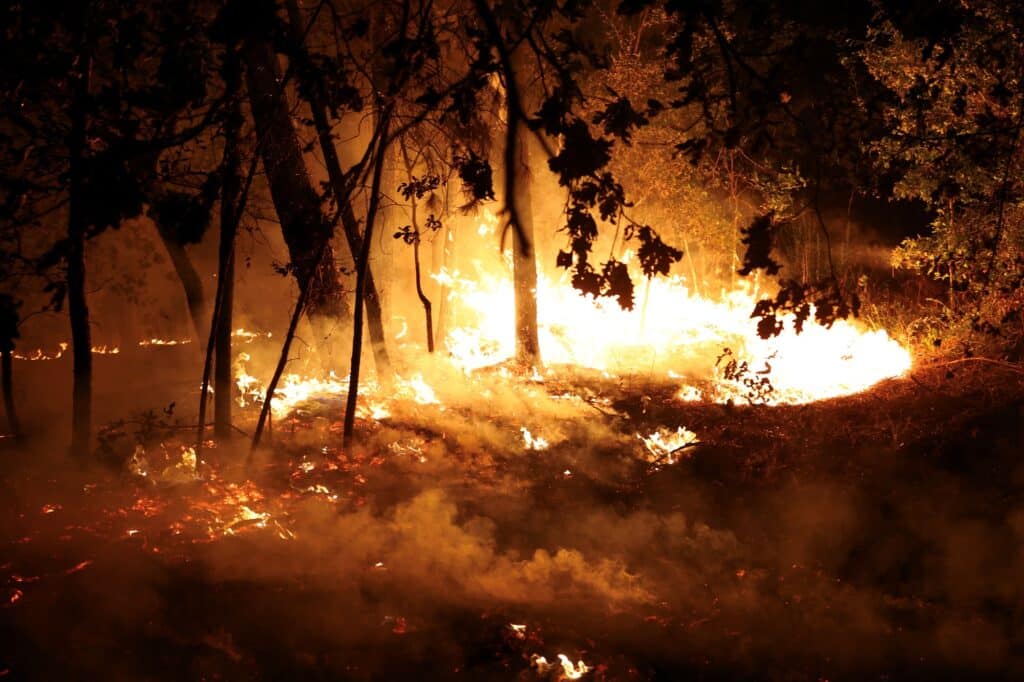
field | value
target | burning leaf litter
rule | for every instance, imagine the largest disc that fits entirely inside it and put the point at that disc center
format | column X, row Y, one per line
column 569, row 670
column 665, row 446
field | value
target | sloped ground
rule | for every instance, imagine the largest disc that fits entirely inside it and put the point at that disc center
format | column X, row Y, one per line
column 878, row 536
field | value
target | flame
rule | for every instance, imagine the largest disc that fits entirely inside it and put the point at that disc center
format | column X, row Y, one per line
column 418, row 390
column 62, row 347
column 671, row 329
column 533, row 442
column 40, row 354
column 664, row 445
column 570, row 670
column 294, row 390
column 164, row 342
column 250, row 336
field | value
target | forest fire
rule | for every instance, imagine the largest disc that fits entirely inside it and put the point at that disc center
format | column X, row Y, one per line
column 511, row 340
column 674, row 330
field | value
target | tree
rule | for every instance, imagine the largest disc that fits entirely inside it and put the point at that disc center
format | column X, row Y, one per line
column 97, row 95
column 306, row 230
column 953, row 141
column 9, row 321
column 318, row 91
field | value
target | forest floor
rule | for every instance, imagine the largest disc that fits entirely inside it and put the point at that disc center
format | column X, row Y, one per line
column 876, row 536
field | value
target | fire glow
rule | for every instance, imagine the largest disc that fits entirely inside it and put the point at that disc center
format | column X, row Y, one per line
column 671, row 330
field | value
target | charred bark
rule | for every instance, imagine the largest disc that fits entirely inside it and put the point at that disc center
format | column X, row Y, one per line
column 295, row 199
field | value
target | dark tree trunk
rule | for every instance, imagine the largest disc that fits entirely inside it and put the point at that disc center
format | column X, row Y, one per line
column 362, row 267
column 191, row 283
column 427, row 312
column 7, row 379
column 230, row 213
column 342, row 194
column 282, row 361
column 518, row 199
column 78, row 309
column 524, row 260
column 424, row 301
column 295, row 199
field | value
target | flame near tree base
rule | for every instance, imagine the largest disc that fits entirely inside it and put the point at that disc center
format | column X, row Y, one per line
column 709, row 345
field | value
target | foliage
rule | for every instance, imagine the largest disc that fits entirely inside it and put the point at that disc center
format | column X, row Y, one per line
column 953, row 141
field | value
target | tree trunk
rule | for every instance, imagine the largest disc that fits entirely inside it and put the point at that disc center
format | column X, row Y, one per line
column 524, row 260
column 362, row 267
column 7, row 379
column 295, row 199
column 342, row 195
column 230, row 213
column 78, row 309
column 191, row 283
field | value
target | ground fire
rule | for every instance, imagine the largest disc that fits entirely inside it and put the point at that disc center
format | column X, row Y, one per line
column 620, row 340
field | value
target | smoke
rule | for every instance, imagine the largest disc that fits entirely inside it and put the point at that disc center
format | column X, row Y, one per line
column 794, row 543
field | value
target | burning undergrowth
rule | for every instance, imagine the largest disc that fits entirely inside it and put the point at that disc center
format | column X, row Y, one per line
column 623, row 512
column 548, row 527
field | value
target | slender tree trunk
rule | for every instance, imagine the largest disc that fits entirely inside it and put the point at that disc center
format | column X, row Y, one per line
column 191, row 283
column 362, row 266
column 230, row 213
column 295, row 199
column 524, row 261
column 423, row 297
column 447, row 265
column 7, row 379
column 78, row 308
column 265, row 414
column 342, row 194
column 424, row 301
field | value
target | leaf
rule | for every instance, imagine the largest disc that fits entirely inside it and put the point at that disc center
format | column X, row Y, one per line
column 586, row 280
column 476, row 176
column 620, row 118
column 617, row 283
column 759, row 236
column 656, row 257
column 564, row 259
column 581, row 155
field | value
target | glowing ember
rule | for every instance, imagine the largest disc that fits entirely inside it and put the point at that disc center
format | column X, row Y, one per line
column 665, row 446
